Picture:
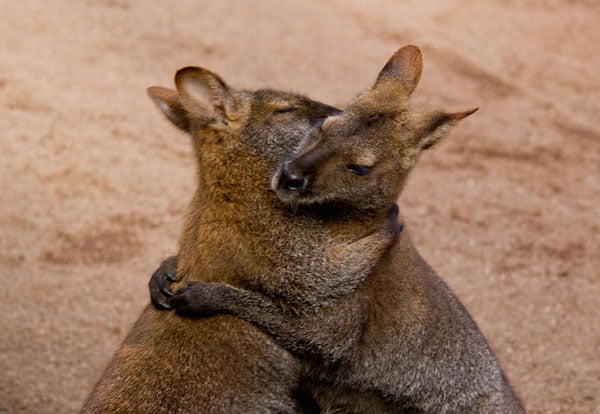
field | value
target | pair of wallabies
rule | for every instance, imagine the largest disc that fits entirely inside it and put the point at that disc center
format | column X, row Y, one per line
column 293, row 230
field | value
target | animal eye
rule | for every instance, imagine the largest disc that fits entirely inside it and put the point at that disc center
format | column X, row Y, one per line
column 284, row 110
column 359, row 169
column 373, row 119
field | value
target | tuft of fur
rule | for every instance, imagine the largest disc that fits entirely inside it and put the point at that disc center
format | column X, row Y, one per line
column 338, row 283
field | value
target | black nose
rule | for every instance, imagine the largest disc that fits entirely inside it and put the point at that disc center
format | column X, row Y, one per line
column 290, row 178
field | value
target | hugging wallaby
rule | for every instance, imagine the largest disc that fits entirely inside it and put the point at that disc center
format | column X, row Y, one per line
column 169, row 364
column 339, row 283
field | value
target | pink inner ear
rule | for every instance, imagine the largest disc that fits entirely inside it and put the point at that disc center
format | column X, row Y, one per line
column 203, row 95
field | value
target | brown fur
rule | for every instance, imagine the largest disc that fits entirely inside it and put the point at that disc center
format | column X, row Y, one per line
column 377, row 329
column 171, row 364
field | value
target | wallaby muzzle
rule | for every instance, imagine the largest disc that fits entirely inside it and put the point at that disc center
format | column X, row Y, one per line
column 290, row 178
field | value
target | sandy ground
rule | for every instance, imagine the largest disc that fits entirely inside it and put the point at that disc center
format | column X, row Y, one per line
column 95, row 183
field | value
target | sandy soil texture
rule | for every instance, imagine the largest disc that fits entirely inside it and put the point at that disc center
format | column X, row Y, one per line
column 95, row 183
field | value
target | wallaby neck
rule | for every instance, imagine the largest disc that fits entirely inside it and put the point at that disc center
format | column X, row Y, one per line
column 225, row 238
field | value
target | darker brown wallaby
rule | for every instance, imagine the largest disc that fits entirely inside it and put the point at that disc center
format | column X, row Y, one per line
column 339, row 285
column 169, row 364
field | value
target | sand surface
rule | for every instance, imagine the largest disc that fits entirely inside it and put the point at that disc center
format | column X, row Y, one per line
column 95, row 183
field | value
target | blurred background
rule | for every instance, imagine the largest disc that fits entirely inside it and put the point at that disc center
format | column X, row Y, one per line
column 95, row 183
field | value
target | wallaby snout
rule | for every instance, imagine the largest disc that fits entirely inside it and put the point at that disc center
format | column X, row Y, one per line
column 293, row 179
column 290, row 178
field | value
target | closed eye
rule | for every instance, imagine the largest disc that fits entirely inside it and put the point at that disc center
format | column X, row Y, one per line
column 359, row 169
column 284, row 110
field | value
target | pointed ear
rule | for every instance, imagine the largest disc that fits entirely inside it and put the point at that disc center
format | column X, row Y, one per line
column 403, row 70
column 436, row 125
column 168, row 102
column 204, row 95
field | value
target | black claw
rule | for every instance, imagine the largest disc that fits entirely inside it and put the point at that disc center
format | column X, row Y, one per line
column 165, row 288
column 167, row 292
column 158, row 300
column 162, row 304
column 160, row 284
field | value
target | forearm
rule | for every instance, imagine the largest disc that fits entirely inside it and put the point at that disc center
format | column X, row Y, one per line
column 326, row 331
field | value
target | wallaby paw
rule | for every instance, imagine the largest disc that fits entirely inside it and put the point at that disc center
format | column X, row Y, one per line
column 198, row 299
column 160, row 284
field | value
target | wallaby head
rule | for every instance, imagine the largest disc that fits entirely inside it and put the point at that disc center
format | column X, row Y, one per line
column 240, row 138
column 234, row 127
column 363, row 156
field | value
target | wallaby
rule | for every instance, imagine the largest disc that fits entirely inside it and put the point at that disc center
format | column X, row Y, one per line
column 390, row 338
column 169, row 364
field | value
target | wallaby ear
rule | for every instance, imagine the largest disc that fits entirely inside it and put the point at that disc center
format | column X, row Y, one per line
column 404, row 69
column 204, row 94
column 436, row 125
column 168, row 102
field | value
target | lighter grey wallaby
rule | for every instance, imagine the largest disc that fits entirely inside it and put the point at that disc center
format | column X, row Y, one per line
column 381, row 332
